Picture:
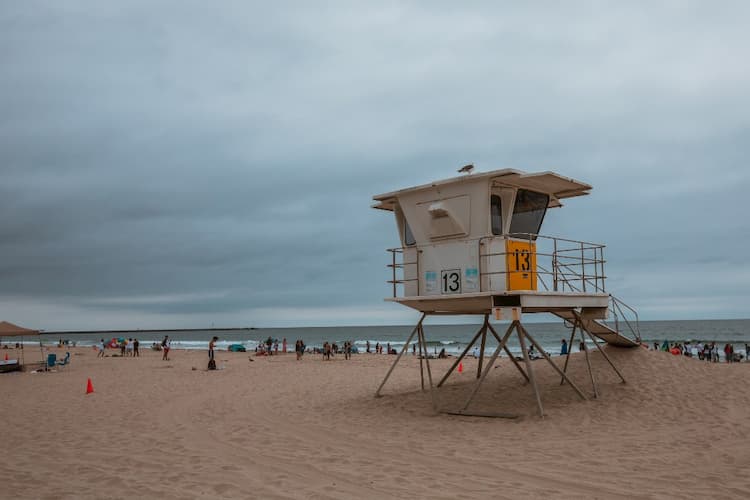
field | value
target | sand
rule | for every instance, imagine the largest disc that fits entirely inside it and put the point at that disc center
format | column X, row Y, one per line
column 278, row 428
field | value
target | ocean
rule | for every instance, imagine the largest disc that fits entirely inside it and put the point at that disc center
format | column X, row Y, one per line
column 453, row 338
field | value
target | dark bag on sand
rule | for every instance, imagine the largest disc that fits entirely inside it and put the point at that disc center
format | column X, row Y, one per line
column 211, row 364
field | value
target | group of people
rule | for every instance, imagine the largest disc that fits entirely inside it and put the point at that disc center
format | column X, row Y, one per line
column 330, row 349
column 704, row 351
column 129, row 347
column 379, row 348
column 270, row 347
column 299, row 348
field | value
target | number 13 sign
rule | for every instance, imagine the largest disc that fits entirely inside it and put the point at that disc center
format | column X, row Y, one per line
column 450, row 281
column 520, row 265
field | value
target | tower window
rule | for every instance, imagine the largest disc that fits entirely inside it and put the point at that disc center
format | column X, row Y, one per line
column 528, row 212
column 496, row 214
column 408, row 236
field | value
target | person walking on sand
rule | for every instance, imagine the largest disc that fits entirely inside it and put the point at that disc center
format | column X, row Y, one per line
column 102, row 345
column 166, row 345
column 129, row 347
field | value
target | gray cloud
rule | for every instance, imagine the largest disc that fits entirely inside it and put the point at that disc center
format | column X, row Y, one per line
column 174, row 163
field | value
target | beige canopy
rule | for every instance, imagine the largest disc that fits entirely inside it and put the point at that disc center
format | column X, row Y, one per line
column 11, row 330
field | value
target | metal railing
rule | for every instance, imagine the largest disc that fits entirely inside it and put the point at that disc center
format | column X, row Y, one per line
column 569, row 265
column 395, row 280
column 562, row 265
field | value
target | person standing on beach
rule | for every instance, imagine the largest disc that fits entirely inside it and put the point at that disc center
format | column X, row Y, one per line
column 136, row 345
column 283, row 345
column 166, row 344
column 211, row 346
column 728, row 353
column 563, row 348
column 101, row 349
column 367, row 348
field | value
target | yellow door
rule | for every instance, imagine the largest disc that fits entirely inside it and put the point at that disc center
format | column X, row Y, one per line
column 520, row 265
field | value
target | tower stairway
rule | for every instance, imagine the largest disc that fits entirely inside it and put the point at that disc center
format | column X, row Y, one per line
column 612, row 336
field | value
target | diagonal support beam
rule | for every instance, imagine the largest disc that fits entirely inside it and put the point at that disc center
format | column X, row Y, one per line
column 433, row 394
column 463, row 354
column 588, row 363
column 484, row 340
column 500, row 346
column 527, row 361
column 601, row 350
column 510, row 355
column 570, row 349
column 398, row 358
column 549, row 360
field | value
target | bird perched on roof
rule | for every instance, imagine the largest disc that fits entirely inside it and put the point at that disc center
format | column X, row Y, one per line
column 466, row 169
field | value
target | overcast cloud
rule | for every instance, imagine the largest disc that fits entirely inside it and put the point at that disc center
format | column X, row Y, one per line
column 187, row 164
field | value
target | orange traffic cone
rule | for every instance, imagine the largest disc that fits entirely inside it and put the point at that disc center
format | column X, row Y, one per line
column 89, row 387
column 460, row 368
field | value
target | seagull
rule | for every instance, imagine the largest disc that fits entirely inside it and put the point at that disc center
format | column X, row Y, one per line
column 466, row 169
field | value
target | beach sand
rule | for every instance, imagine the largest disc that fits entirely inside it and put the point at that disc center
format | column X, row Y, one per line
column 277, row 428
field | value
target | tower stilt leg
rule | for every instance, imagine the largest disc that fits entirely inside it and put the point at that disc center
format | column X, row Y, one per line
column 484, row 339
column 478, row 383
column 463, row 354
column 602, row 351
column 588, row 363
column 527, row 361
column 570, row 348
column 433, row 395
column 398, row 358
column 510, row 355
column 549, row 360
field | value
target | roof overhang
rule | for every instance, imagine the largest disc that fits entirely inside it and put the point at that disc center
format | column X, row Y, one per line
column 555, row 185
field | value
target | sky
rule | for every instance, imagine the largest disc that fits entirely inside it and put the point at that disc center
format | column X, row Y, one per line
column 194, row 164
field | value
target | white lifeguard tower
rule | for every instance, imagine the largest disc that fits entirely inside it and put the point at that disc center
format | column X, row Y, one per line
column 472, row 245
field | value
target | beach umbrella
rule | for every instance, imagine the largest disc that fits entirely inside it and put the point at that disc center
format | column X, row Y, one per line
column 11, row 330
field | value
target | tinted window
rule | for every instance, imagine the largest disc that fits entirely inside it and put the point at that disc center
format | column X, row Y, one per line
column 528, row 212
column 496, row 214
column 408, row 237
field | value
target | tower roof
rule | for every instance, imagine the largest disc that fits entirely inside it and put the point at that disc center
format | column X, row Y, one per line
column 555, row 185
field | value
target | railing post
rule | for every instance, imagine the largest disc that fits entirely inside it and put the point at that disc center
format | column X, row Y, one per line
column 554, row 264
column 601, row 254
column 393, row 254
column 583, row 268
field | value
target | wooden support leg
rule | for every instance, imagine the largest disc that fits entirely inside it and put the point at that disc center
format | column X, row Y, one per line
column 422, row 357
column 510, row 355
column 463, row 354
column 588, row 363
column 398, row 358
column 484, row 339
column 478, row 383
column 570, row 348
column 433, row 395
column 606, row 357
column 549, row 360
column 528, row 367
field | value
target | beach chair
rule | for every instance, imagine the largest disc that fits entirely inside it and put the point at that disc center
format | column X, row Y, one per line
column 65, row 361
column 51, row 360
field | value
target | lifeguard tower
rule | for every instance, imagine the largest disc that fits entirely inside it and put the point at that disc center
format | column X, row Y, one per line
column 472, row 245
